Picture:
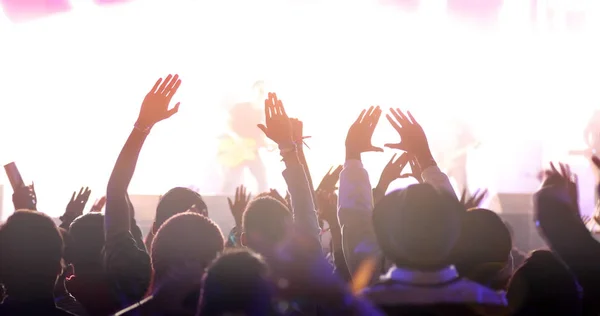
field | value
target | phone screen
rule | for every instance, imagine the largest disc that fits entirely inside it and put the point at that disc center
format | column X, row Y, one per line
column 14, row 176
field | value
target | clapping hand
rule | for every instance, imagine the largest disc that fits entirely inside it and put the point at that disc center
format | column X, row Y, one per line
column 359, row 136
column 278, row 126
column 24, row 198
column 76, row 205
column 238, row 205
column 155, row 107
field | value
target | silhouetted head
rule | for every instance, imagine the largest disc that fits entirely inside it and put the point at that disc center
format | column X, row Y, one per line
column 482, row 252
column 266, row 223
column 84, row 249
column 31, row 249
column 543, row 285
column 236, row 283
column 178, row 200
column 417, row 227
column 185, row 239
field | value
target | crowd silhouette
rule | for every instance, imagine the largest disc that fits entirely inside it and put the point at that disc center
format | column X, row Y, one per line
column 420, row 250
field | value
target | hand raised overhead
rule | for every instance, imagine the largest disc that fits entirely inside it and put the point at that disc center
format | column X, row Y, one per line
column 412, row 136
column 359, row 136
column 155, row 107
column 278, row 125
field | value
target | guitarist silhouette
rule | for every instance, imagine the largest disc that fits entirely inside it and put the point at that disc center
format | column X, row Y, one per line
column 239, row 149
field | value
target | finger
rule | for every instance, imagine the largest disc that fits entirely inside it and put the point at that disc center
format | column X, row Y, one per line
column 262, row 128
column 376, row 149
column 73, row 196
column 374, row 119
column 171, row 91
column 164, row 84
column 230, row 203
column 402, row 161
column 391, row 162
column 412, row 119
column 360, row 117
column 400, row 118
column 394, row 146
column 155, row 88
column 394, row 124
column 174, row 110
column 563, row 171
column 80, row 192
column 281, row 109
column 553, row 169
column 369, row 113
column 175, row 80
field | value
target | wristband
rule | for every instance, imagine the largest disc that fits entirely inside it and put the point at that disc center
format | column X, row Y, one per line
column 142, row 129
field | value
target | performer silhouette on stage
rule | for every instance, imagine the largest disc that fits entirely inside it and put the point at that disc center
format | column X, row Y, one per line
column 239, row 148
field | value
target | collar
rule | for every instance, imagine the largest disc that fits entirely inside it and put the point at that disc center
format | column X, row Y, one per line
column 403, row 275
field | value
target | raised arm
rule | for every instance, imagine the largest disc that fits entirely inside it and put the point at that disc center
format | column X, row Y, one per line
column 414, row 142
column 355, row 203
column 127, row 263
column 155, row 108
column 279, row 129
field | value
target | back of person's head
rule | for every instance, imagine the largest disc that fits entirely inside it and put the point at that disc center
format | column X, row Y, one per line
column 236, row 283
column 417, row 227
column 31, row 249
column 84, row 249
column 543, row 285
column 178, row 200
column 482, row 252
column 267, row 221
column 185, row 239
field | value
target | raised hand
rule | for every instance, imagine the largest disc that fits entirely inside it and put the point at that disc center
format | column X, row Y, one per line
column 76, row 205
column 392, row 170
column 25, row 198
column 563, row 178
column 359, row 136
column 412, row 136
column 278, row 125
column 415, row 171
column 472, row 201
column 238, row 205
column 98, row 205
column 330, row 180
column 155, row 107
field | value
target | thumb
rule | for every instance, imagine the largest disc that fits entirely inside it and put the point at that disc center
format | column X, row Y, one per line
column 394, row 146
column 262, row 128
column 174, row 110
column 230, row 203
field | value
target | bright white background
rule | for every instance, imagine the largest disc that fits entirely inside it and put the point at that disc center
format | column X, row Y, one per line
column 71, row 86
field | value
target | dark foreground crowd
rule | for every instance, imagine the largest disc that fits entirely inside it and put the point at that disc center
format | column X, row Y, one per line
column 420, row 250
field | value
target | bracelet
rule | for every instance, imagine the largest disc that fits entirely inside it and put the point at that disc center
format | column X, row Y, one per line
column 142, row 129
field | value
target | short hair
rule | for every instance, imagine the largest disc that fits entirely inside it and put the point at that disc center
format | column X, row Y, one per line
column 266, row 216
column 178, row 200
column 86, row 240
column 185, row 237
column 483, row 248
column 236, row 282
column 31, row 249
column 418, row 226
